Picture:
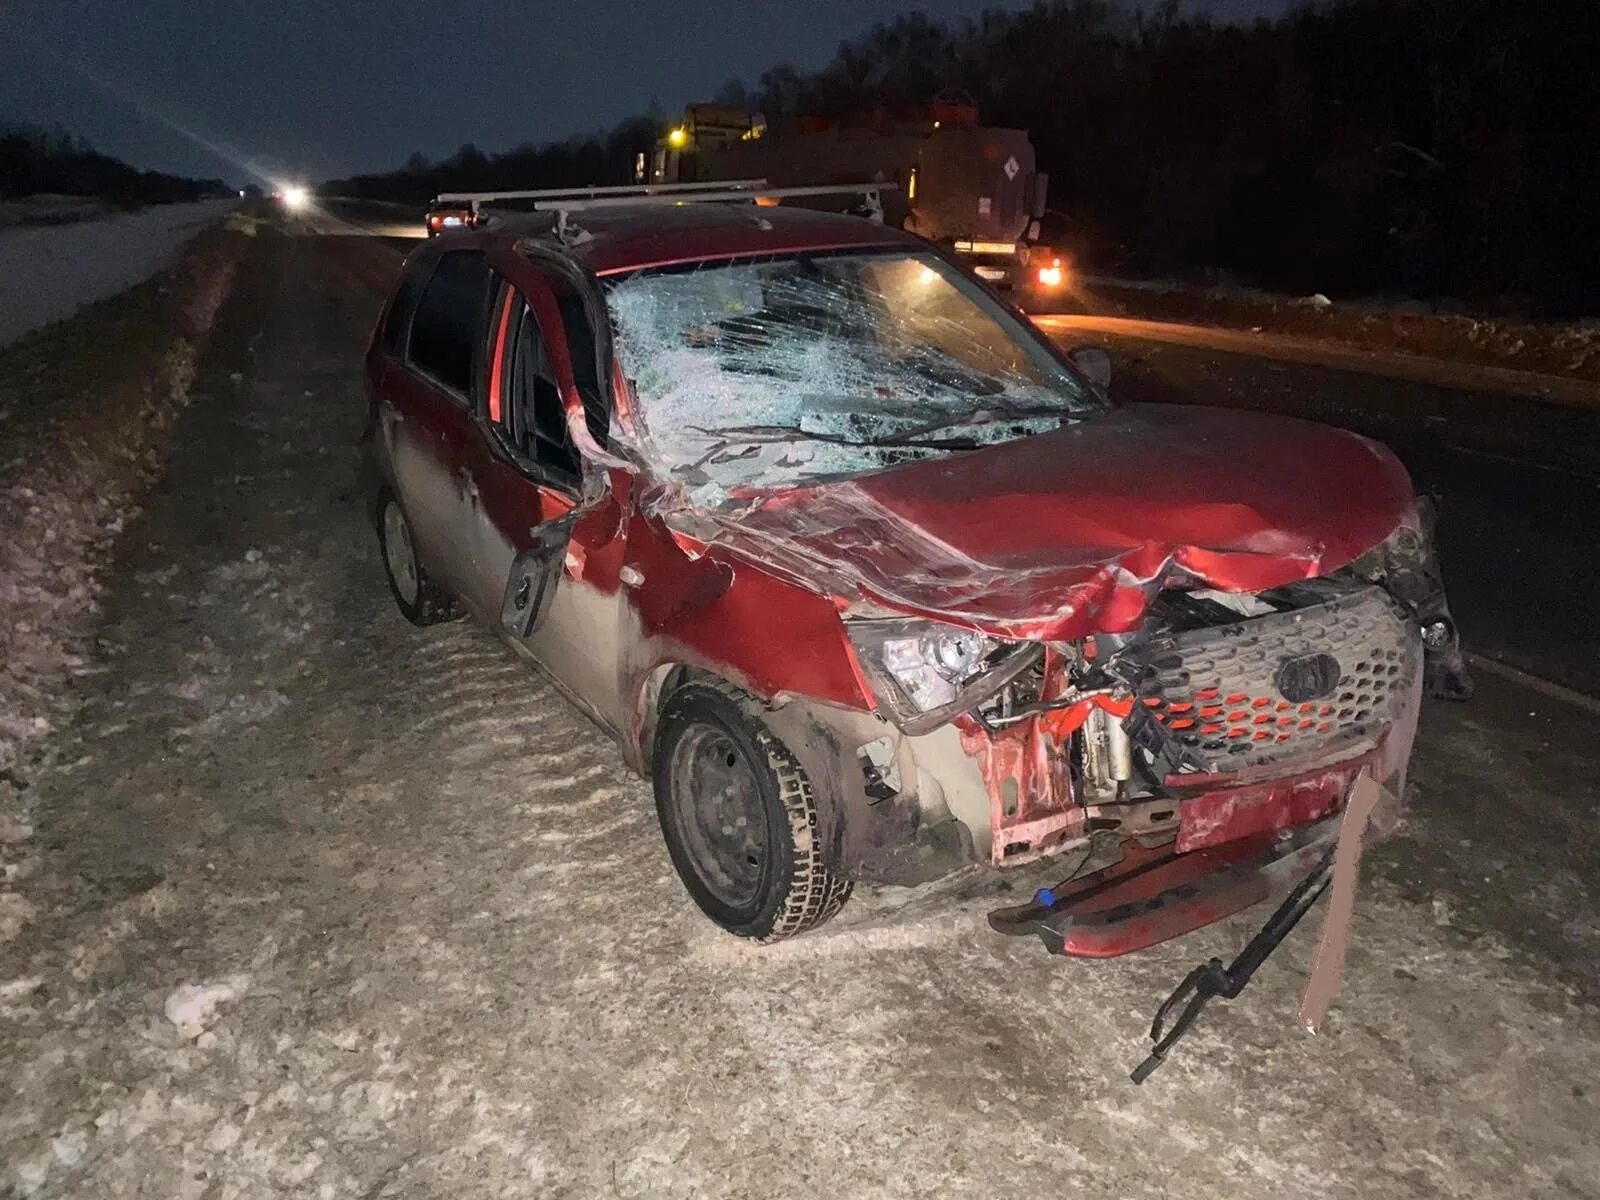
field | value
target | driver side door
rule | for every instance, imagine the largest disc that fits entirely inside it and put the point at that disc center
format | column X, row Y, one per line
column 540, row 558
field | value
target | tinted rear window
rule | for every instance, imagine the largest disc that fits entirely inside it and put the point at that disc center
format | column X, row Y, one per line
column 449, row 319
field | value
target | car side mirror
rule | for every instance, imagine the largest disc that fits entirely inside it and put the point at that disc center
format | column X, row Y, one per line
column 535, row 573
column 1094, row 363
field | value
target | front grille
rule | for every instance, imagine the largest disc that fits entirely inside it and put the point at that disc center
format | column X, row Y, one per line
column 1215, row 692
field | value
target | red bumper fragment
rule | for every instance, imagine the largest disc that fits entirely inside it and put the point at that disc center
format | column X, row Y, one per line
column 1150, row 896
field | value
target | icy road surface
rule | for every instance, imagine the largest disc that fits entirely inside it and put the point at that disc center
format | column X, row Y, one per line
column 49, row 272
column 318, row 904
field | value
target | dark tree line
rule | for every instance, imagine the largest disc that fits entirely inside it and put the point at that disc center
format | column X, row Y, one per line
column 576, row 161
column 1430, row 147
column 36, row 160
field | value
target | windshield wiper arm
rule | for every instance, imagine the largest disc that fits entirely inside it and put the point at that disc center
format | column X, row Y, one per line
column 764, row 434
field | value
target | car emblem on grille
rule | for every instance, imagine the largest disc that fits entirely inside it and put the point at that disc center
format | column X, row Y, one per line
column 1012, row 167
column 1308, row 677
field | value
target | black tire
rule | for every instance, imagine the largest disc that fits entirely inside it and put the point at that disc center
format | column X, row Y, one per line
column 784, row 886
column 420, row 600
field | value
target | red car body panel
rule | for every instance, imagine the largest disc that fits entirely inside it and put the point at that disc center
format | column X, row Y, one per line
column 1064, row 534
column 713, row 611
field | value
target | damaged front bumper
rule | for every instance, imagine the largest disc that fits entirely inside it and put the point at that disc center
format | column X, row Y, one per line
column 1152, row 894
column 1204, row 739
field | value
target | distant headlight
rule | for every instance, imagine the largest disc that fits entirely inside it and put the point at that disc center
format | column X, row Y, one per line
column 923, row 672
column 296, row 198
column 1050, row 276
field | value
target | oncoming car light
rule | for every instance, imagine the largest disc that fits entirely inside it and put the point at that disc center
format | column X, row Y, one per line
column 296, row 198
column 923, row 672
column 1050, row 276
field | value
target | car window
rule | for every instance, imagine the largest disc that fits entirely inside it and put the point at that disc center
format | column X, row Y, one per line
column 449, row 320
column 397, row 326
column 768, row 373
column 531, row 415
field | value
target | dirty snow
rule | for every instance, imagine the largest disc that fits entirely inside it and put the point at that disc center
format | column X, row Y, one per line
column 68, row 481
column 194, row 1006
column 48, row 272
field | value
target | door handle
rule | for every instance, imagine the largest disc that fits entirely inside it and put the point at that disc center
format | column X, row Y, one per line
column 468, row 485
column 631, row 577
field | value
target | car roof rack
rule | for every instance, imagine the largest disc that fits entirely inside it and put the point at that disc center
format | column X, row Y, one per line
column 564, row 201
column 723, row 194
column 588, row 193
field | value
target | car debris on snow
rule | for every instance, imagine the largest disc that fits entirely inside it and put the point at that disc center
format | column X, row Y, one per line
column 192, row 1007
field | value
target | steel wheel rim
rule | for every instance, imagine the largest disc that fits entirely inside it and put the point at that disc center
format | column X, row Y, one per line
column 399, row 554
column 721, row 819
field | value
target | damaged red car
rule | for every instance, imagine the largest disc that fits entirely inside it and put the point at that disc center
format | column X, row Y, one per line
column 873, row 582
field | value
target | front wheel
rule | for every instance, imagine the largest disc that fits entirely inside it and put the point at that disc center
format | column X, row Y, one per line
column 739, row 817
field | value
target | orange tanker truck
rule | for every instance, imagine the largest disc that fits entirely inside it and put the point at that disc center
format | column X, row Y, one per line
column 974, row 189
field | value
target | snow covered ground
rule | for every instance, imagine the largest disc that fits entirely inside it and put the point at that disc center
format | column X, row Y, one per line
column 1445, row 332
column 49, row 272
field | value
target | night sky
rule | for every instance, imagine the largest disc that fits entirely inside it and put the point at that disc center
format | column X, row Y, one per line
column 322, row 88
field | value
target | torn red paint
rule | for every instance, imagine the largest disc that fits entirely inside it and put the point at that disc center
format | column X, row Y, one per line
column 1229, row 813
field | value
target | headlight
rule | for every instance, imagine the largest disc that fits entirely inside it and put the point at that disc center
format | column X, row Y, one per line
column 923, row 672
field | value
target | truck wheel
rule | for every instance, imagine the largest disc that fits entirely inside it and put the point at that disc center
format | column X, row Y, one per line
column 739, row 817
column 420, row 600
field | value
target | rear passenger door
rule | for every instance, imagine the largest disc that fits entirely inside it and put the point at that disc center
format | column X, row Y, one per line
column 426, row 419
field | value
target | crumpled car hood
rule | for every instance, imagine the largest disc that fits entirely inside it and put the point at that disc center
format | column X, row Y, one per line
column 1072, row 532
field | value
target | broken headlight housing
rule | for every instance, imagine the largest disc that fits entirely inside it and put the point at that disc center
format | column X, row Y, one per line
column 923, row 673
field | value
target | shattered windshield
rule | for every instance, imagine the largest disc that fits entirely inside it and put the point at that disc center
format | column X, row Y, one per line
column 765, row 374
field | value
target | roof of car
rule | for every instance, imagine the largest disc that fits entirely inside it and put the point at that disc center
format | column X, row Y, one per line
column 631, row 238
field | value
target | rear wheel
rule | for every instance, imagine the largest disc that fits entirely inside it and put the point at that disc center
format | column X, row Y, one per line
column 420, row 600
column 739, row 817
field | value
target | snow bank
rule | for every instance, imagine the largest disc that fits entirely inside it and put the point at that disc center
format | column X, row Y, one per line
column 48, row 273
column 1443, row 331
column 50, row 208
column 66, row 488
